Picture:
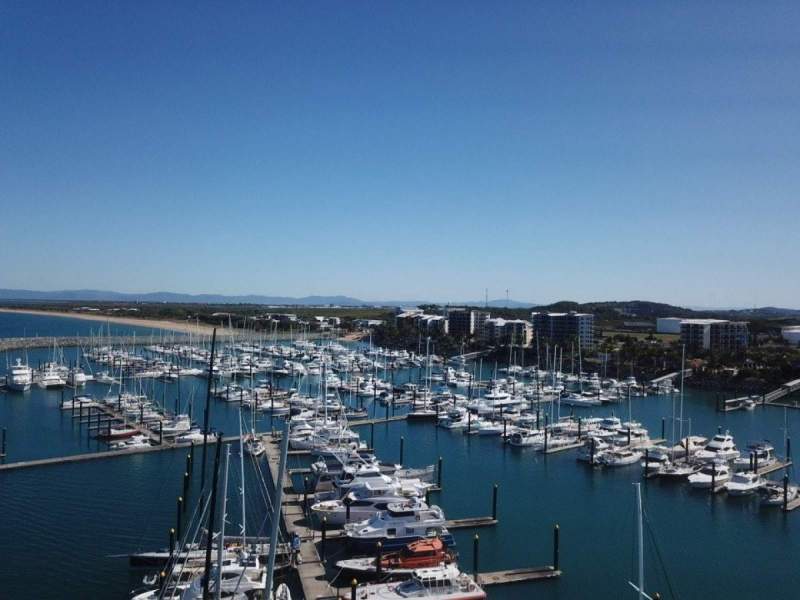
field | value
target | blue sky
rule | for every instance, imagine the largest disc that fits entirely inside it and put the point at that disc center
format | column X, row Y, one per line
column 583, row 151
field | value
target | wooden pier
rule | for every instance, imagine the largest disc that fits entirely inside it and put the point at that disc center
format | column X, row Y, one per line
column 312, row 570
column 518, row 575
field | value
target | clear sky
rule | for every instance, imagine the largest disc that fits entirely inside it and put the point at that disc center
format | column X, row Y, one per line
column 398, row 150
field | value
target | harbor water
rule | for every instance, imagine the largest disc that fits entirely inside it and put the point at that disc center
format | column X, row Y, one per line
column 67, row 529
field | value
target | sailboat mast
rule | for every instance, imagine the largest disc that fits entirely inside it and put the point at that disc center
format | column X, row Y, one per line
column 221, row 540
column 640, row 536
column 241, row 463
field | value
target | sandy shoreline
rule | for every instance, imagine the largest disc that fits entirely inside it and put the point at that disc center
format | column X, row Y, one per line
column 182, row 327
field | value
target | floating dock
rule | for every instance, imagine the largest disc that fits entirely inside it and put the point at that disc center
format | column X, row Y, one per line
column 518, row 575
column 312, row 571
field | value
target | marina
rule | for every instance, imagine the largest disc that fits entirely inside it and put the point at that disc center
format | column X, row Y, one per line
column 390, row 434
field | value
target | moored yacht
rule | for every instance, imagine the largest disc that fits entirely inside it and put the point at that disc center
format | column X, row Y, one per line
column 20, row 377
column 715, row 472
column 744, row 483
column 721, row 447
column 398, row 525
column 437, row 582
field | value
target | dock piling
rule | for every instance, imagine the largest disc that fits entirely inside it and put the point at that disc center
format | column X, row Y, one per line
column 475, row 542
column 785, row 491
column 178, row 515
column 372, row 435
column 3, row 451
column 556, row 547
column 322, row 541
column 353, row 588
column 438, row 474
column 402, row 444
column 713, row 477
column 378, row 558
column 663, row 428
column 171, row 543
column 185, row 489
column 494, row 502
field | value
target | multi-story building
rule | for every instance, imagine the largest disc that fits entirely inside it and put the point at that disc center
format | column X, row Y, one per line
column 464, row 322
column 715, row 335
column 563, row 328
column 499, row 331
column 422, row 321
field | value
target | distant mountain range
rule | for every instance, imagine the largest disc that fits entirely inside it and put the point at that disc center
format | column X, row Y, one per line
column 632, row 308
column 108, row 296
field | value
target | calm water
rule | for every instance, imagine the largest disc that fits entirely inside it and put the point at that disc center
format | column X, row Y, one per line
column 63, row 525
column 22, row 325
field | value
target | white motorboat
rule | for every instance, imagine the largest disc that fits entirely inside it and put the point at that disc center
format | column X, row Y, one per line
column 526, row 437
column 398, row 525
column 446, row 582
column 592, row 450
column 744, row 483
column 20, row 377
column 758, row 456
column 362, row 507
column 717, row 472
column 620, row 457
column 254, row 446
column 772, row 493
column 76, row 378
column 180, row 424
column 721, row 447
column 50, row 378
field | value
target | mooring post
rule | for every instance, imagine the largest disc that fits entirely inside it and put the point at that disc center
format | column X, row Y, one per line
column 646, row 463
column 378, row 558
column 347, row 503
column 185, row 488
column 713, row 477
column 402, row 444
column 469, row 422
column 189, row 465
column 475, row 557
column 5, row 434
column 305, row 494
column 439, row 474
column 663, row 428
column 372, row 435
column 171, row 542
column 755, row 463
column 629, row 436
column 545, row 438
column 178, row 519
column 788, row 449
column 591, row 457
column 504, row 429
column 579, row 428
column 785, row 491
column 494, row 503
column 353, row 588
column 556, row 548
column 322, row 541
column 160, row 432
